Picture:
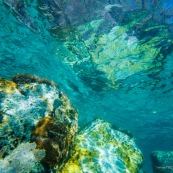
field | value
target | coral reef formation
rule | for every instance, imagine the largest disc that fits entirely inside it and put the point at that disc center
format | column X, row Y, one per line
column 100, row 148
column 162, row 161
column 34, row 109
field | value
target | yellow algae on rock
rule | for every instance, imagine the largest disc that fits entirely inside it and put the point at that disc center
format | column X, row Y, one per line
column 7, row 86
column 72, row 168
column 99, row 148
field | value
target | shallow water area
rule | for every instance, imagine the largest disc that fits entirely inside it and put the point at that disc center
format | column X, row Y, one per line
column 113, row 59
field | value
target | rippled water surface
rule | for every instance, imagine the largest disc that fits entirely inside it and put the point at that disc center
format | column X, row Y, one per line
column 113, row 59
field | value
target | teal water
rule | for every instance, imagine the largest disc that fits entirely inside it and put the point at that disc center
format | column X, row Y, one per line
column 120, row 74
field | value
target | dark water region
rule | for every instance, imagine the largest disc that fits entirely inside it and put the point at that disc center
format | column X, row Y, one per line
column 112, row 58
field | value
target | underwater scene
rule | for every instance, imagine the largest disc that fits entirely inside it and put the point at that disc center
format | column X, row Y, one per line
column 86, row 86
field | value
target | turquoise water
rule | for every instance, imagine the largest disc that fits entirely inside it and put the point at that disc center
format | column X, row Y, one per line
column 112, row 59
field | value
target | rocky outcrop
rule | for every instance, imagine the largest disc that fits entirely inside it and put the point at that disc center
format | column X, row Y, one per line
column 99, row 149
column 35, row 110
column 38, row 133
column 24, row 158
column 162, row 161
column 71, row 13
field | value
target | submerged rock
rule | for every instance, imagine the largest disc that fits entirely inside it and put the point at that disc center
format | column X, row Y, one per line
column 118, row 51
column 162, row 161
column 34, row 109
column 100, row 148
column 111, row 40
column 19, row 7
column 24, row 158
column 72, row 13
column 115, row 50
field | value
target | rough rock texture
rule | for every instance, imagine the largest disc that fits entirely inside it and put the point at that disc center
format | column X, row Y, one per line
column 34, row 109
column 56, row 138
column 100, row 148
column 23, row 159
column 162, row 161
column 19, row 7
